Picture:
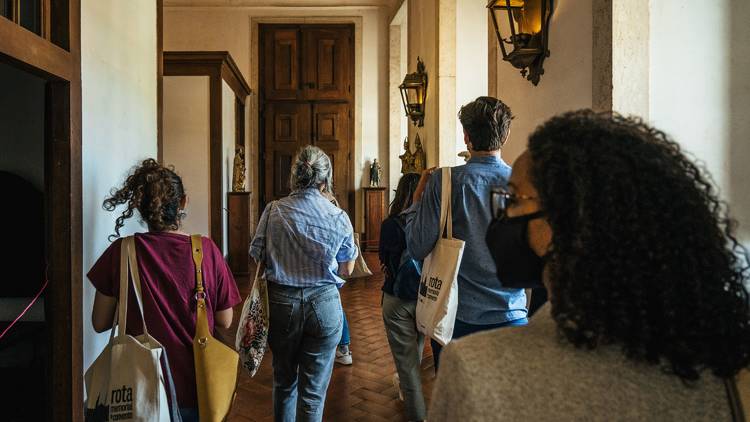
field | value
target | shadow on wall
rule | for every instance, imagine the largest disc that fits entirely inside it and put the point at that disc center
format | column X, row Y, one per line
column 739, row 115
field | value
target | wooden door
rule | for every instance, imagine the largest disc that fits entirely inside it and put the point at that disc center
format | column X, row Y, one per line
column 327, row 68
column 287, row 128
column 307, row 77
column 331, row 134
column 281, row 64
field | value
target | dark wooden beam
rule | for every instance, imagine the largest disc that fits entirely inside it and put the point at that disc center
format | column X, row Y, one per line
column 215, row 152
column 211, row 63
column 32, row 52
column 160, row 80
column 218, row 66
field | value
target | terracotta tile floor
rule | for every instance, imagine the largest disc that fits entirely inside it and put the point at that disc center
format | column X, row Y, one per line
column 361, row 392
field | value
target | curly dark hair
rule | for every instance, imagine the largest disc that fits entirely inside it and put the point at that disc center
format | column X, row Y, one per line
column 643, row 253
column 155, row 191
column 487, row 121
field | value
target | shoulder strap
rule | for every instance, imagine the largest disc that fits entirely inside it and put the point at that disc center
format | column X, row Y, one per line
column 738, row 393
column 446, row 215
column 129, row 264
column 197, row 247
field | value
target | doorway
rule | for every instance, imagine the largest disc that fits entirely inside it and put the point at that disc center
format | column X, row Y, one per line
column 41, row 69
column 306, row 98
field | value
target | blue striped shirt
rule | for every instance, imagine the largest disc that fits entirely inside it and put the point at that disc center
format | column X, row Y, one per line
column 302, row 238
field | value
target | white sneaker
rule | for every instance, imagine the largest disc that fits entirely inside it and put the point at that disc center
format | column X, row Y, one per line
column 397, row 384
column 343, row 355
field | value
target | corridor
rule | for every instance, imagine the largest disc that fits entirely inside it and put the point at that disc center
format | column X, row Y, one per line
column 361, row 392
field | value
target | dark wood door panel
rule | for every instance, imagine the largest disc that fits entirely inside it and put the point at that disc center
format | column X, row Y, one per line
column 307, row 73
column 282, row 65
column 287, row 128
column 331, row 134
column 327, row 63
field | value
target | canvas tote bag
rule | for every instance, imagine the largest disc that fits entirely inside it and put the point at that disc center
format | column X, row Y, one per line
column 437, row 301
column 360, row 266
column 215, row 362
column 126, row 382
column 252, row 332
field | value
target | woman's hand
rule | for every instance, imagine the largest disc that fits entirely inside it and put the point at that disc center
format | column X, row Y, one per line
column 422, row 183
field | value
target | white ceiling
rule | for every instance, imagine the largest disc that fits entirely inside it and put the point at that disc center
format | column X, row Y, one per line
column 390, row 4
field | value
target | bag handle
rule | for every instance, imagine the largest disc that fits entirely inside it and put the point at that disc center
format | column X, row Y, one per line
column 129, row 264
column 197, row 246
column 446, row 212
column 201, row 319
column 738, row 404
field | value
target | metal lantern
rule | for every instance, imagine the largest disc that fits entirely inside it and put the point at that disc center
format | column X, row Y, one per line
column 414, row 93
column 529, row 33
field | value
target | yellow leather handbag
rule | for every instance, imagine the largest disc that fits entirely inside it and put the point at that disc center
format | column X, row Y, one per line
column 215, row 363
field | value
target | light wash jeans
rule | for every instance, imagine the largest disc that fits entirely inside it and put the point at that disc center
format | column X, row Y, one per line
column 407, row 345
column 305, row 328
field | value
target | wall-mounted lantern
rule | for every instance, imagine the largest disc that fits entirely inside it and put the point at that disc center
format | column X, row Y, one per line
column 529, row 33
column 414, row 94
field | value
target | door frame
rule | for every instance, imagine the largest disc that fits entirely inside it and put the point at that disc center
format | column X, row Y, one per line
column 218, row 66
column 55, row 56
column 256, row 133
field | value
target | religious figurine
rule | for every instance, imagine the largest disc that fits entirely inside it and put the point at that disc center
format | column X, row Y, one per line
column 375, row 173
column 420, row 158
column 407, row 159
column 238, row 175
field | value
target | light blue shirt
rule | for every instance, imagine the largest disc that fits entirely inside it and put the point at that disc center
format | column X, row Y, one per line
column 481, row 297
column 302, row 238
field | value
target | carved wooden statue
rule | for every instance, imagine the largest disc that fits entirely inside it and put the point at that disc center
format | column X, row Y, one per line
column 407, row 159
column 420, row 158
column 238, row 174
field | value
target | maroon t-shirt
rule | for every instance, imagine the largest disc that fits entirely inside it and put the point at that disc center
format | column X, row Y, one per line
column 167, row 273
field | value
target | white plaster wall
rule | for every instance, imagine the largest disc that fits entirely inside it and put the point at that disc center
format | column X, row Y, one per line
column 22, row 123
column 186, row 144
column 397, row 120
column 118, row 72
column 231, row 29
column 471, row 61
column 227, row 163
column 700, row 88
column 567, row 81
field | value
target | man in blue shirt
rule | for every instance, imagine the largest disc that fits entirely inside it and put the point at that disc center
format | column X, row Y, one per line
column 483, row 303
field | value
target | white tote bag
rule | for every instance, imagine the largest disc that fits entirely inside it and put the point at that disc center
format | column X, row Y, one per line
column 126, row 381
column 438, row 289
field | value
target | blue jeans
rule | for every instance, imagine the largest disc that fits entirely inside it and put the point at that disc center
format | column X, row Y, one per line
column 345, row 340
column 305, row 327
column 462, row 329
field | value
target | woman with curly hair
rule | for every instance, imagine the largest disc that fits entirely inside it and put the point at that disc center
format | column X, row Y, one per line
column 649, row 313
column 167, row 273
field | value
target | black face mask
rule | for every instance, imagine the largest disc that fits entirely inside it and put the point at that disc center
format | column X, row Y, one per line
column 518, row 267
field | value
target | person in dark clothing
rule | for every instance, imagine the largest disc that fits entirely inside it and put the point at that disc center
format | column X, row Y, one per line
column 400, row 301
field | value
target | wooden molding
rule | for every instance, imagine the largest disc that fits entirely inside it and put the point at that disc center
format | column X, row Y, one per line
column 160, row 81
column 34, row 53
column 207, row 63
column 218, row 66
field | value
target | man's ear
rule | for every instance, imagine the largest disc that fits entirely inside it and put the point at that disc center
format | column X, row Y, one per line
column 467, row 141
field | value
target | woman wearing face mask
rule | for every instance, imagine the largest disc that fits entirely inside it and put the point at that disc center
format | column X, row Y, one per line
column 648, row 314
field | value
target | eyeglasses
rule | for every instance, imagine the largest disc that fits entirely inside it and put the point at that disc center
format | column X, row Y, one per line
column 501, row 199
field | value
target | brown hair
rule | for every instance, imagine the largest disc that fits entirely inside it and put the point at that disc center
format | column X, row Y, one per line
column 155, row 191
column 487, row 121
